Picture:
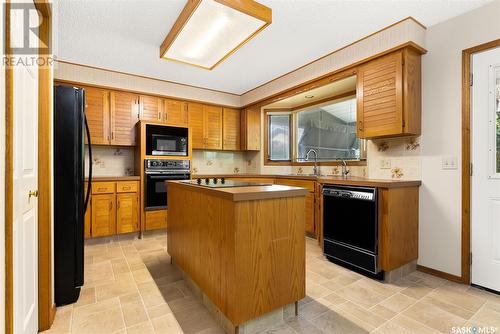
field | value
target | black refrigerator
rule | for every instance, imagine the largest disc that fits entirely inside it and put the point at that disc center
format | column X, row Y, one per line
column 70, row 127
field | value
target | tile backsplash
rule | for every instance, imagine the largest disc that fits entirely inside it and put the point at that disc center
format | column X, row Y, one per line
column 397, row 158
column 216, row 162
column 110, row 161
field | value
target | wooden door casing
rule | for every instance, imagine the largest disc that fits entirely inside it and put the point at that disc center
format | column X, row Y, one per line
column 195, row 117
column 98, row 115
column 231, row 129
column 103, row 215
column 175, row 112
column 127, row 212
column 212, row 119
column 380, row 97
column 124, row 116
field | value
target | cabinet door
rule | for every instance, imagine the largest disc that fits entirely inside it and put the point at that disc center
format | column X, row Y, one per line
column 250, row 129
column 124, row 116
column 195, row 116
column 175, row 112
column 231, row 129
column 310, row 209
column 380, row 97
column 213, row 127
column 127, row 212
column 103, row 215
column 156, row 219
column 97, row 112
column 151, row 109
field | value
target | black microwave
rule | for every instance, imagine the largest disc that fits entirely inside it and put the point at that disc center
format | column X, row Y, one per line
column 162, row 144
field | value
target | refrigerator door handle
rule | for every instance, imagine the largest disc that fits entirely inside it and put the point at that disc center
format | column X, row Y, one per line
column 89, row 183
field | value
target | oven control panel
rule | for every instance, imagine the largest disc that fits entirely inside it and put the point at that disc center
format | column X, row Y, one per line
column 164, row 165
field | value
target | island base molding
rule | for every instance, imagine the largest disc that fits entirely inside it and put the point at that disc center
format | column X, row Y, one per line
column 257, row 325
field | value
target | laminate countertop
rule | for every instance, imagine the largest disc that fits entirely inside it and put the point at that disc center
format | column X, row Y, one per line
column 238, row 194
column 325, row 179
column 115, row 178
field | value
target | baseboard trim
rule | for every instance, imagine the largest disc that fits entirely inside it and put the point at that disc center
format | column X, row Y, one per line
column 440, row 274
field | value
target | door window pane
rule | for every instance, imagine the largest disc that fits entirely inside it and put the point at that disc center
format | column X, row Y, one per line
column 279, row 137
column 330, row 129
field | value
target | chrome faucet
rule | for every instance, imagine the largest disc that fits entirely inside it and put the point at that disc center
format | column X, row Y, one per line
column 345, row 170
column 315, row 168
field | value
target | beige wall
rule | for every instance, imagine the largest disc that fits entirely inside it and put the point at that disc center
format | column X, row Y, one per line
column 440, row 194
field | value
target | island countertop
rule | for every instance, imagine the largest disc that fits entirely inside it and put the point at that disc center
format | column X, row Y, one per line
column 237, row 194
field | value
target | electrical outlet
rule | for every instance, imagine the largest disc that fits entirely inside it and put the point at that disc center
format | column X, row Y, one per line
column 449, row 163
column 385, row 164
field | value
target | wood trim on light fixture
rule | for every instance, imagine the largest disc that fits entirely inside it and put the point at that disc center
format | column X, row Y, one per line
column 466, row 153
column 248, row 7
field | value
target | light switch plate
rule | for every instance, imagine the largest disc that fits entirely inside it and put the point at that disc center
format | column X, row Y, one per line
column 385, row 164
column 449, row 163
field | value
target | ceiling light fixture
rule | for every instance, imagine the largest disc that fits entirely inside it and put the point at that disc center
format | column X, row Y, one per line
column 208, row 31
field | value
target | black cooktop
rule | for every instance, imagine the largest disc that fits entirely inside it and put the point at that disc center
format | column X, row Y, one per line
column 223, row 183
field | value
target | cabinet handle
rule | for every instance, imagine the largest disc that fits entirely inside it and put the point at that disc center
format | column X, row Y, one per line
column 166, row 116
column 118, row 204
column 110, row 206
column 101, row 189
column 126, row 188
column 112, row 135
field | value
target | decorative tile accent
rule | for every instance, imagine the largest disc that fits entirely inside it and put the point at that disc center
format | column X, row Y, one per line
column 397, row 173
column 383, row 146
column 412, row 144
column 236, row 170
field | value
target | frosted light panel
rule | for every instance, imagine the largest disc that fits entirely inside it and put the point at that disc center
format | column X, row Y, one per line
column 212, row 31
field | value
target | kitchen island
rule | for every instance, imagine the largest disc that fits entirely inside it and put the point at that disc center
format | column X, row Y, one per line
column 242, row 248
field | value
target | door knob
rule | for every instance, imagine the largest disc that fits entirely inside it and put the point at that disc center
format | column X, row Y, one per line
column 33, row 194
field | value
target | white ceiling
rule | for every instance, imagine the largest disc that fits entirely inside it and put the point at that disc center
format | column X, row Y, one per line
column 125, row 35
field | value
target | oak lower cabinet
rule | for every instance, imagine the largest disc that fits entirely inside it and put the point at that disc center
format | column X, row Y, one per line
column 114, row 209
column 103, row 215
column 156, row 219
column 389, row 95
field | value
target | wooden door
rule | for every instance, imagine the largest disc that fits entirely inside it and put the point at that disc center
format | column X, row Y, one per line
column 195, row 117
column 212, row 119
column 231, row 129
column 380, row 97
column 151, row 109
column 98, row 115
column 127, row 212
column 175, row 112
column 250, row 129
column 24, row 189
column 124, row 116
column 103, row 215
column 310, row 209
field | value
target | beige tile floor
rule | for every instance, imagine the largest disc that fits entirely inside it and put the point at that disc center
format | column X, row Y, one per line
column 130, row 287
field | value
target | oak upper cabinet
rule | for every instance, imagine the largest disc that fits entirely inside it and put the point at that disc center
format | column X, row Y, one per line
column 195, row 120
column 124, row 116
column 175, row 112
column 151, row 108
column 103, row 215
column 389, row 95
column 231, row 129
column 212, row 117
column 250, row 129
column 98, row 115
column 206, row 126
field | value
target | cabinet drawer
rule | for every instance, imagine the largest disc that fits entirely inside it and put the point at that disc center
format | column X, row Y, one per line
column 103, row 187
column 127, row 186
column 156, row 219
column 309, row 185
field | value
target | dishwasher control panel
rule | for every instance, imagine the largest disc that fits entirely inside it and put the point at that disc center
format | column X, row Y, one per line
column 367, row 194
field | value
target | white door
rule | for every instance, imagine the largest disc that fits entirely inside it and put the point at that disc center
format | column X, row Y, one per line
column 25, row 217
column 486, row 169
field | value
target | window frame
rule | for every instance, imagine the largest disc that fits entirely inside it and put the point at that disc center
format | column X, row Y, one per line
column 293, row 149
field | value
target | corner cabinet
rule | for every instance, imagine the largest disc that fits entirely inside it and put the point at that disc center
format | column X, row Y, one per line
column 389, row 95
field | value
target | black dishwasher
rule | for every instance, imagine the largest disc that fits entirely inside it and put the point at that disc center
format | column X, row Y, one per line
column 350, row 228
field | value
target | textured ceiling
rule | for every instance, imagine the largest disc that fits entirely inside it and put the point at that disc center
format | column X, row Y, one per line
column 125, row 35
